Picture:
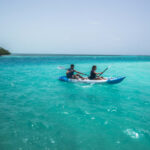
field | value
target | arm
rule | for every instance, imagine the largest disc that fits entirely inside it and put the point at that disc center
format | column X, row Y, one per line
column 100, row 73
column 97, row 73
column 67, row 71
column 79, row 72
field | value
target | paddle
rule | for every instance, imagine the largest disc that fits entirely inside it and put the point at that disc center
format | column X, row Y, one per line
column 61, row 67
column 104, row 70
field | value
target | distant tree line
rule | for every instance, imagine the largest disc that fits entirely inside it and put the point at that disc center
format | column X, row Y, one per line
column 4, row 51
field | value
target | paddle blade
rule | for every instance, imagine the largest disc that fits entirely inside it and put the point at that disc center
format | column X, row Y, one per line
column 109, row 66
column 61, row 67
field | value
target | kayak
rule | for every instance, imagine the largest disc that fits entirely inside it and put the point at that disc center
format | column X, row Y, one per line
column 110, row 80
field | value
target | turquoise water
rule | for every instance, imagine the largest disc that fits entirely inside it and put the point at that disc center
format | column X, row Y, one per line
column 39, row 112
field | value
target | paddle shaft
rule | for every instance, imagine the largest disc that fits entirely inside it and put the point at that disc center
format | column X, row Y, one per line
column 104, row 71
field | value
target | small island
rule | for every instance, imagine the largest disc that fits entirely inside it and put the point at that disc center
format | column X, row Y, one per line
column 4, row 51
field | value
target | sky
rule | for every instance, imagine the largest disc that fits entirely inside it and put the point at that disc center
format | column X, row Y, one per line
column 75, row 26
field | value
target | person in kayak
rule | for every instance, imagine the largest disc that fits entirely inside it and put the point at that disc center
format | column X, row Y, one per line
column 70, row 73
column 94, row 74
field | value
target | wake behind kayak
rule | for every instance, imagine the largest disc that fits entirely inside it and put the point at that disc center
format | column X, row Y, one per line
column 108, row 80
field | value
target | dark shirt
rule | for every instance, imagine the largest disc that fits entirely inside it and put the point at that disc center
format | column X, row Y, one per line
column 92, row 75
column 71, row 72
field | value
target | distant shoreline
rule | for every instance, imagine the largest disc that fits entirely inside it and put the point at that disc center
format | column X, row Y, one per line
column 21, row 54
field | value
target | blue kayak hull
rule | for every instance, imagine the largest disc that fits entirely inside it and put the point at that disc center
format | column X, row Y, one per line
column 108, row 80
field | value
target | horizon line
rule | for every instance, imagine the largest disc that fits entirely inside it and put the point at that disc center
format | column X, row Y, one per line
column 52, row 54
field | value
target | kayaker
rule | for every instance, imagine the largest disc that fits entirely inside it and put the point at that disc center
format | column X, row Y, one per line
column 70, row 73
column 94, row 74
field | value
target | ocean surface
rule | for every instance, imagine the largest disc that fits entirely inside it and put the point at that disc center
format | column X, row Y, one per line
column 39, row 112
